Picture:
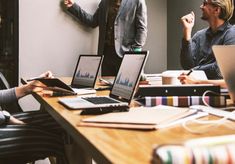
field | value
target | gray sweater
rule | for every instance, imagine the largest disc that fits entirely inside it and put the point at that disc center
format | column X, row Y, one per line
column 6, row 96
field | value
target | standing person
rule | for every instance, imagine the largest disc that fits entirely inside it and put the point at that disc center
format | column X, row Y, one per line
column 122, row 27
column 28, row 136
column 196, row 51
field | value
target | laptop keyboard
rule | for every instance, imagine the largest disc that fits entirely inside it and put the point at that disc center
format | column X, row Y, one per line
column 100, row 100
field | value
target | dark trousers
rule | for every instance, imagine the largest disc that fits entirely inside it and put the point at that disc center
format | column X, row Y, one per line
column 111, row 62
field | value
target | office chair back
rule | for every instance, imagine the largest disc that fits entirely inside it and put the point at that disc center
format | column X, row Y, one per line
column 13, row 107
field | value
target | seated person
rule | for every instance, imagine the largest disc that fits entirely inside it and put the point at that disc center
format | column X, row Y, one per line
column 28, row 136
column 196, row 50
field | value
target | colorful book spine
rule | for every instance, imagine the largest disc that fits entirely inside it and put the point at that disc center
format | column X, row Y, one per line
column 184, row 101
column 170, row 154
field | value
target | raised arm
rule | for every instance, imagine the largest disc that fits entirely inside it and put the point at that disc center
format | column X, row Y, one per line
column 188, row 23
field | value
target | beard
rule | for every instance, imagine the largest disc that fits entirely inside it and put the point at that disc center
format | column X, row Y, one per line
column 204, row 17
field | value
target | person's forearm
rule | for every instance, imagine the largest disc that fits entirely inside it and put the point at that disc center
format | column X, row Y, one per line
column 221, row 82
column 86, row 18
column 21, row 91
column 187, row 33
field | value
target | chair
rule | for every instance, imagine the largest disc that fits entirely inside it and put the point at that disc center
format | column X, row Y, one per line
column 12, row 107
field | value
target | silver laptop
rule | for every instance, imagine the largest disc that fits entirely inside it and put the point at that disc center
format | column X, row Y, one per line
column 85, row 74
column 225, row 57
column 122, row 90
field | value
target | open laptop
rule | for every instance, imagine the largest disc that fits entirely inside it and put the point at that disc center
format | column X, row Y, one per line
column 225, row 57
column 122, row 90
column 85, row 74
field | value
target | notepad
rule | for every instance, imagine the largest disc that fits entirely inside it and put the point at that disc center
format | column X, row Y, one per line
column 138, row 118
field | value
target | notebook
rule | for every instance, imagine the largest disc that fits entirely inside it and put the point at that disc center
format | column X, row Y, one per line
column 85, row 73
column 139, row 118
column 122, row 90
column 225, row 57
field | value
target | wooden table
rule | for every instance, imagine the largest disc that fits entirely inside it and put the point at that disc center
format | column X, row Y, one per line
column 106, row 145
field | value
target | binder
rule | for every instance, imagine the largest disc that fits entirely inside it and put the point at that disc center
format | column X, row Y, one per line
column 175, row 90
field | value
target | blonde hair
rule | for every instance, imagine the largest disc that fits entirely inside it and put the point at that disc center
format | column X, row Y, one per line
column 226, row 6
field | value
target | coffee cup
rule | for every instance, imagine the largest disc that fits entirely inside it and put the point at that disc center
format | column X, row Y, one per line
column 170, row 79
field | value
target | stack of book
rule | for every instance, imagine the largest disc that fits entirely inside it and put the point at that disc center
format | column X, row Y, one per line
column 180, row 96
column 204, row 151
column 183, row 101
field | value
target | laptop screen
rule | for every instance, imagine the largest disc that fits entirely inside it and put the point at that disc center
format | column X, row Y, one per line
column 225, row 56
column 128, row 75
column 86, row 71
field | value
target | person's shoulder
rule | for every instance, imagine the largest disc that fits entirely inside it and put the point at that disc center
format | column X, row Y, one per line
column 231, row 31
column 201, row 32
column 230, row 34
column 232, row 28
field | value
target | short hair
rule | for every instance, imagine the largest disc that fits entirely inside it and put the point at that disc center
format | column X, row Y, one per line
column 226, row 6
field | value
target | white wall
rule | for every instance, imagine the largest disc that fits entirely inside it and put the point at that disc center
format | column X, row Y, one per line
column 157, row 36
column 49, row 39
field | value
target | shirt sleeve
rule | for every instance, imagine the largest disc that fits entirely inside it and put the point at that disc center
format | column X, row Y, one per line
column 186, row 55
column 86, row 18
column 2, row 118
column 189, row 51
column 212, row 70
column 141, row 25
column 229, row 38
column 7, row 96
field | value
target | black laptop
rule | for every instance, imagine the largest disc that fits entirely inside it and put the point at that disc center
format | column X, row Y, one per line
column 123, row 88
column 85, row 73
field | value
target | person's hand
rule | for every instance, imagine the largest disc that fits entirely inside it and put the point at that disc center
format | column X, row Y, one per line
column 188, row 23
column 33, row 86
column 188, row 20
column 47, row 74
column 185, row 79
column 15, row 121
column 68, row 3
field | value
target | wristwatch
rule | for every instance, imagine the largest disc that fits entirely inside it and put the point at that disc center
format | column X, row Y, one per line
column 6, row 115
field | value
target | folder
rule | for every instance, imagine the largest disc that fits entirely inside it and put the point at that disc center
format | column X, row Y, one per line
column 138, row 118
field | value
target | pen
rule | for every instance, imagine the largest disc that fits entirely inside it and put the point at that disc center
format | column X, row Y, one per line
column 191, row 70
